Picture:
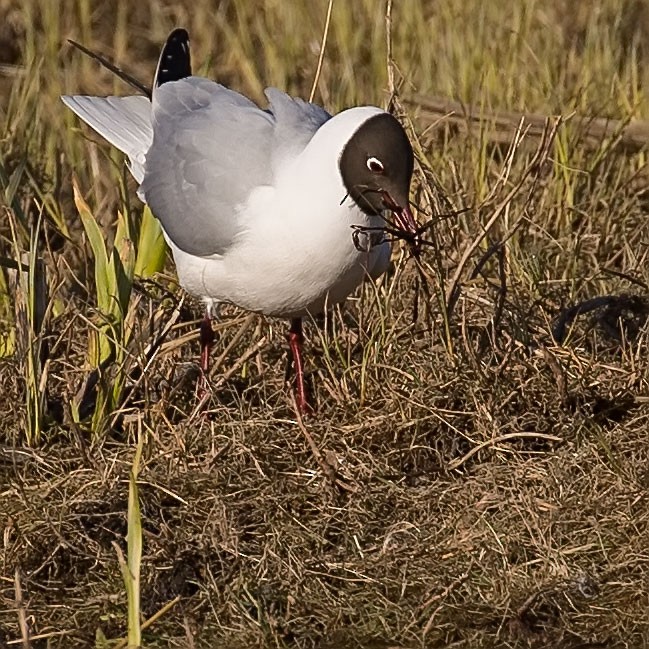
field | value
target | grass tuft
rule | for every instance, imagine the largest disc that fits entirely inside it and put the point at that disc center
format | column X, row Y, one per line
column 476, row 474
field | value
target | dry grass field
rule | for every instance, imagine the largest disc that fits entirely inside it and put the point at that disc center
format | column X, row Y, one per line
column 477, row 472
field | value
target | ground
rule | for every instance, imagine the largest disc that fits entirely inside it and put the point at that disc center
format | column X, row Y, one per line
column 477, row 471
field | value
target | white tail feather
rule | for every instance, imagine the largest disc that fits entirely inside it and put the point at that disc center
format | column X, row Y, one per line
column 124, row 121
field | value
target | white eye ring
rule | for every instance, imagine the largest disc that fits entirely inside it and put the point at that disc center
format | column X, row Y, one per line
column 375, row 165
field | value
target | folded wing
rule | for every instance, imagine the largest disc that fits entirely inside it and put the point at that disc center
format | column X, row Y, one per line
column 199, row 150
column 211, row 148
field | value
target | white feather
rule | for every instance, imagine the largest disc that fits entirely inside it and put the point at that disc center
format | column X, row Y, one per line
column 124, row 121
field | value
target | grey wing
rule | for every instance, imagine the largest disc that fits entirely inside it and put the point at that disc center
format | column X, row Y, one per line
column 211, row 147
column 296, row 121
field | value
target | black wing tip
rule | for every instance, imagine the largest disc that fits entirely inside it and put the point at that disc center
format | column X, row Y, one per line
column 175, row 59
column 179, row 33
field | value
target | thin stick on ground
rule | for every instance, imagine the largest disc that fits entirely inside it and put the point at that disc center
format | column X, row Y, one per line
column 456, row 464
column 326, row 466
column 122, row 644
column 629, row 134
column 22, row 611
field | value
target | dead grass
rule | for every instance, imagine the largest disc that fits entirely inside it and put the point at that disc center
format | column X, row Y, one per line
column 482, row 472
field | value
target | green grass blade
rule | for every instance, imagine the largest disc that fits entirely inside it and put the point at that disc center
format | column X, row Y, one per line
column 98, row 245
column 134, row 560
column 134, row 549
column 151, row 247
column 122, row 267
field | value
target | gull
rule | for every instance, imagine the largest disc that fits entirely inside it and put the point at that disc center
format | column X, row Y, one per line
column 281, row 211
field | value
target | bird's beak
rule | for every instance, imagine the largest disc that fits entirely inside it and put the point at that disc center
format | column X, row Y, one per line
column 405, row 222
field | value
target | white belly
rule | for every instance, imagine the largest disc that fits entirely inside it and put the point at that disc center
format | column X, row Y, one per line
column 286, row 270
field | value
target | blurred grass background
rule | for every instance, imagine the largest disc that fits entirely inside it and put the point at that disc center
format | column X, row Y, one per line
column 494, row 482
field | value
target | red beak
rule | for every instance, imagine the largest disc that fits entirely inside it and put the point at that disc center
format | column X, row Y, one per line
column 406, row 223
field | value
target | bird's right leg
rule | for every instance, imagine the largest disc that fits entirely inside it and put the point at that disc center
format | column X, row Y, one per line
column 206, row 338
column 295, row 340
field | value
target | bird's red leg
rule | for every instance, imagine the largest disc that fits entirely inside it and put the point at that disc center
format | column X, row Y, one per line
column 206, row 338
column 295, row 340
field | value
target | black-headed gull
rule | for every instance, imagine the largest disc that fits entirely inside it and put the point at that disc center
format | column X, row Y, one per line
column 279, row 211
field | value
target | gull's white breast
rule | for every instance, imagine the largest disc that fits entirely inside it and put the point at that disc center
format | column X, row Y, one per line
column 293, row 257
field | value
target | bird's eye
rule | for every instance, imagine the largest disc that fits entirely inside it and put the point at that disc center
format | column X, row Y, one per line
column 375, row 165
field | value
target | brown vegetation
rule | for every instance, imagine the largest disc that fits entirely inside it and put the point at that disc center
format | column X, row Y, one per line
column 477, row 473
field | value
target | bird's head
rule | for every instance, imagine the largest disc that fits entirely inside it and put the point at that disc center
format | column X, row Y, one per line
column 376, row 167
